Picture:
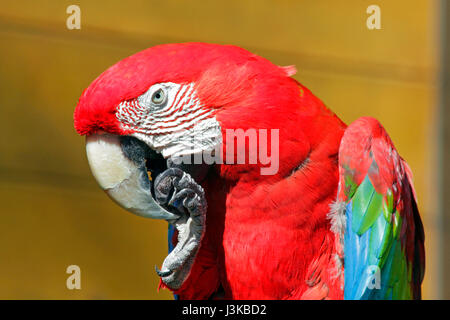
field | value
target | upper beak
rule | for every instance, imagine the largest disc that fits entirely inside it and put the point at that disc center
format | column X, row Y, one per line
column 119, row 166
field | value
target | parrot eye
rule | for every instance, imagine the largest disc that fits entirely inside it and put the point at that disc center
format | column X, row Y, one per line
column 158, row 97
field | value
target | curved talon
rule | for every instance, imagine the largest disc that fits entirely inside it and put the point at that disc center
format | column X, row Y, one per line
column 163, row 273
column 183, row 194
column 177, row 189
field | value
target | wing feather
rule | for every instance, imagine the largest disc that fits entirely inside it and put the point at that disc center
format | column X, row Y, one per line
column 383, row 240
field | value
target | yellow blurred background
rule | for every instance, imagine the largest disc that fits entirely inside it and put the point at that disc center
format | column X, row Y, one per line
column 53, row 214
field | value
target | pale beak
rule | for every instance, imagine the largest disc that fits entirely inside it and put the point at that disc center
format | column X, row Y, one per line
column 119, row 166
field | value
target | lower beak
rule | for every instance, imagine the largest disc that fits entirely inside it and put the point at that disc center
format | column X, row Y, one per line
column 119, row 166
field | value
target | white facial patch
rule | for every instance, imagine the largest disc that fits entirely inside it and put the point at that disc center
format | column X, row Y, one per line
column 178, row 126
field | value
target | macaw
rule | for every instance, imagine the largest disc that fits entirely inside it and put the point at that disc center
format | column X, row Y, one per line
column 336, row 219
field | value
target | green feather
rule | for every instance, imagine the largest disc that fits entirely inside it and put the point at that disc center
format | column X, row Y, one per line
column 367, row 204
column 397, row 224
column 372, row 213
column 387, row 243
column 350, row 185
column 386, row 211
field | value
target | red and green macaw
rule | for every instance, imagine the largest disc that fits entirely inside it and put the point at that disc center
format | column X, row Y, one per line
column 336, row 219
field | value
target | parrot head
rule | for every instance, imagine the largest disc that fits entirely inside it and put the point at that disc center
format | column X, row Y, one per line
column 181, row 100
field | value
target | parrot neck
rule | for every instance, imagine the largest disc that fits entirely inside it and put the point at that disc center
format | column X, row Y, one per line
column 293, row 135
